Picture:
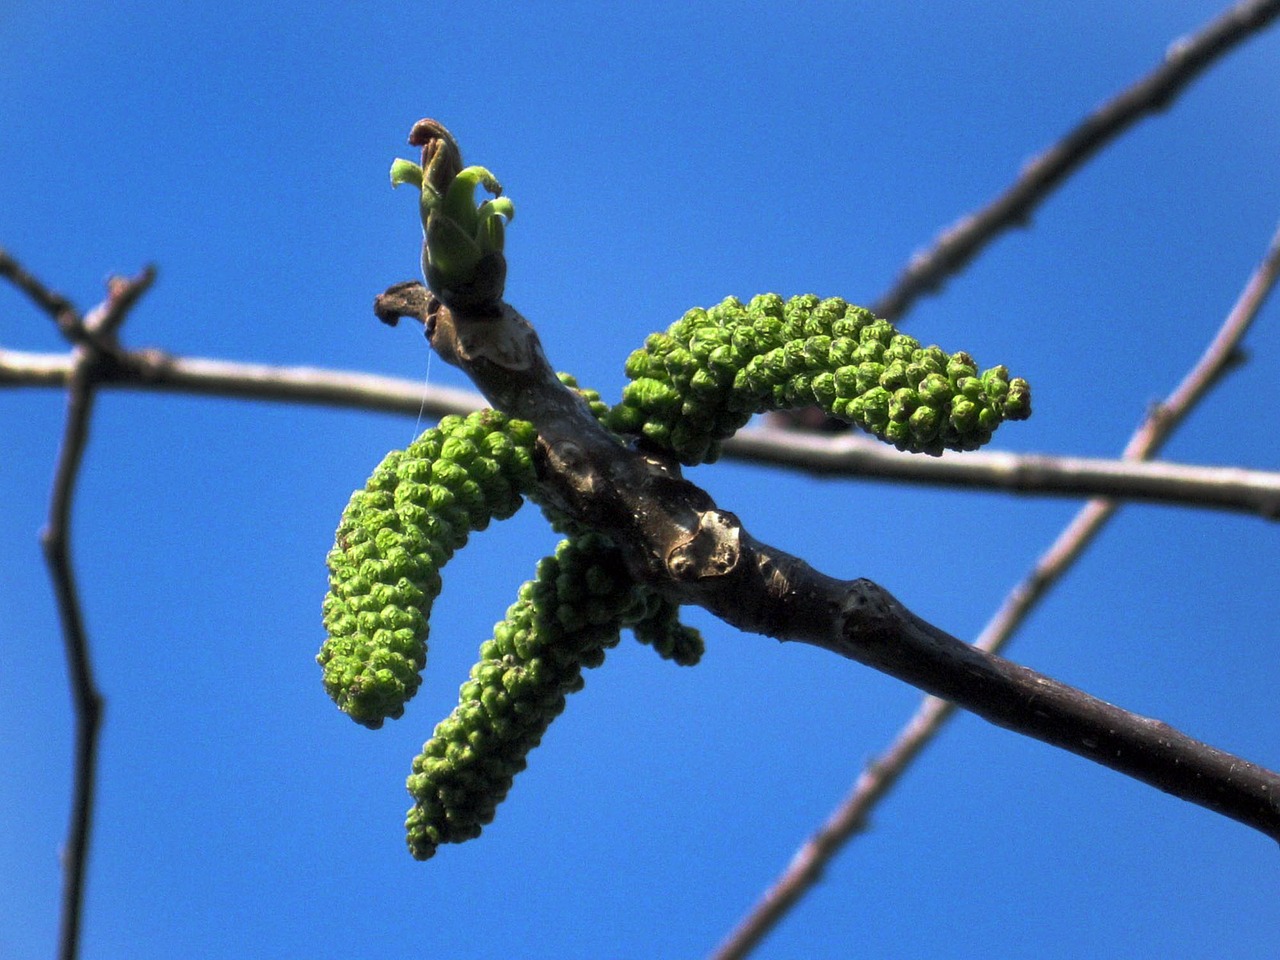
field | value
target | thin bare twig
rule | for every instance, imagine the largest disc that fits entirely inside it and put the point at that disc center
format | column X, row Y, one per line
column 884, row 772
column 851, row 455
column 846, row 455
column 54, row 539
column 200, row 376
column 1185, row 60
column 94, row 339
column 51, row 302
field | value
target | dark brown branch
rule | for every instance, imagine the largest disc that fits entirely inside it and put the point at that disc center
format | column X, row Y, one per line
column 848, row 455
column 88, row 703
column 676, row 540
column 883, row 773
column 1185, row 60
column 50, row 301
column 94, row 339
column 58, row 307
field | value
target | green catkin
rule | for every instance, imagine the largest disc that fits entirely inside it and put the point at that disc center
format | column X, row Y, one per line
column 701, row 381
column 396, row 534
column 562, row 622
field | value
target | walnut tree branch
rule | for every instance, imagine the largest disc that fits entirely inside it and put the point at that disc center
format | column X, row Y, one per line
column 846, row 455
column 879, row 777
column 677, row 541
column 1184, row 60
column 94, row 339
column 88, row 702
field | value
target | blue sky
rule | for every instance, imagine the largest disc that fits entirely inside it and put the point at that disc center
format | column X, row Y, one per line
column 660, row 157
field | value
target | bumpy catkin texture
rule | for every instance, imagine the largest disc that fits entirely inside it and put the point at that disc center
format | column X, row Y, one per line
column 396, row 534
column 562, row 622
column 699, row 382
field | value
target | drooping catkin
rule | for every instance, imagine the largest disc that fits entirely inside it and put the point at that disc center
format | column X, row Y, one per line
column 396, row 534
column 562, row 623
column 701, row 381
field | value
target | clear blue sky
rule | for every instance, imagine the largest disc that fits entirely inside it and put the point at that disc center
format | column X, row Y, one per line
column 660, row 156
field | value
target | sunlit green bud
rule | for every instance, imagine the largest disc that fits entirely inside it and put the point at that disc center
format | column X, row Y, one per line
column 841, row 352
column 769, row 332
column 934, row 390
column 895, row 375
column 810, row 316
column 659, row 342
column 823, row 386
column 642, row 364
column 1017, row 404
column 458, row 449
column 797, row 312
column 901, row 347
column 869, row 376
column 654, row 395
column 796, row 392
column 745, row 341
column 795, row 358
column 705, row 339
column 903, row 403
column 874, row 407
column 679, row 362
column 998, row 372
column 764, row 305
column 878, row 331
column 964, row 414
column 970, row 388
column 724, row 362
column 934, row 358
column 959, row 367
column 684, row 327
column 871, row 352
column 847, row 382
column 925, row 423
column 852, row 322
column 703, row 382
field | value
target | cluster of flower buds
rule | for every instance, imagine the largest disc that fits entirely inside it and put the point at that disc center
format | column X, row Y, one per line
column 562, row 622
column 691, row 388
column 396, row 534
column 700, row 382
